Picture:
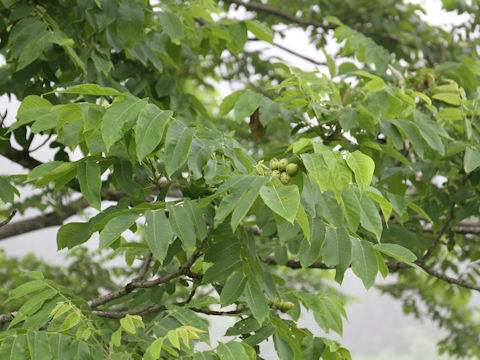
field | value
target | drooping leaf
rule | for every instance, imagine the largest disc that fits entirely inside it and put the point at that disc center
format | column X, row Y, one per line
column 337, row 250
column 283, row 200
column 115, row 227
column 158, row 233
column 6, row 190
column 124, row 175
column 471, row 160
column 385, row 205
column 351, row 207
column 246, row 104
column 239, row 201
column 448, row 97
column 120, row 117
column 233, row 288
column 233, row 350
column 14, row 347
column 257, row 303
column 412, row 133
column 310, row 248
column 329, row 170
column 38, row 345
column 150, row 127
column 88, row 173
column 90, row 89
column 398, row 252
column 418, row 210
column 302, row 220
column 259, row 30
column 197, row 217
column 26, row 288
column 363, row 167
column 27, row 41
column 364, row 261
column 328, row 311
column 182, row 225
column 429, row 131
column 177, row 146
column 229, row 102
column 370, row 218
column 172, row 25
column 130, row 22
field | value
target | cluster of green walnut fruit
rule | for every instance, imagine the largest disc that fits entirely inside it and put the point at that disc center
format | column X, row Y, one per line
column 283, row 170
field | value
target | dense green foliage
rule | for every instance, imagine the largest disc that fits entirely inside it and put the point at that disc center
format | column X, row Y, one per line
column 383, row 138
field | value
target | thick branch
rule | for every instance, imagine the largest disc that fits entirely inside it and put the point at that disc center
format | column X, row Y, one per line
column 392, row 266
column 21, row 157
column 449, row 279
column 293, row 264
column 57, row 218
column 279, row 13
column 150, row 309
column 135, row 284
column 42, row 221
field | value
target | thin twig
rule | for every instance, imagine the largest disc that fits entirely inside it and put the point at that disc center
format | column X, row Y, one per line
column 440, row 233
column 449, row 279
column 293, row 52
column 39, row 146
column 7, row 220
column 145, row 267
column 280, row 13
column 3, row 117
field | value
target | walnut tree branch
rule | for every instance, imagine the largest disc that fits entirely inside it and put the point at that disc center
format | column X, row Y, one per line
column 42, row 221
column 150, row 309
column 393, row 266
column 7, row 220
column 280, row 14
column 135, row 284
column 293, row 52
column 440, row 233
column 145, row 267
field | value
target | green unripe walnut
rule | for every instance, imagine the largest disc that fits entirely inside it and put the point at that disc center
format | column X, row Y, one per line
column 286, row 306
column 285, row 178
column 276, row 173
column 282, row 164
column 274, row 164
column 292, row 169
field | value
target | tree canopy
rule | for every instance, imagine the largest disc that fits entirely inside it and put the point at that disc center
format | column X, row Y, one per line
column 245, row 205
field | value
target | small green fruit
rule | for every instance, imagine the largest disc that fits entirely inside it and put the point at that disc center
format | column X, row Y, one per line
column 292, row 169
column 286, row 306
column 274, row 164
column 285, row 178
column 276, row 173
column 282, row 164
